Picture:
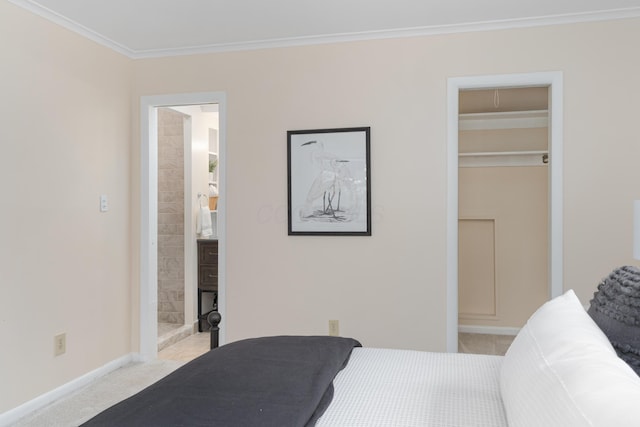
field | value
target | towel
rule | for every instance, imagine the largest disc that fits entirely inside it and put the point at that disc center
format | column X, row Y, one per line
column 203, row 222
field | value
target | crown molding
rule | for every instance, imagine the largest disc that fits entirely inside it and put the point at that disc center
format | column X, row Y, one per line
column 72, row 25
column 46, row 13
column 398, row 33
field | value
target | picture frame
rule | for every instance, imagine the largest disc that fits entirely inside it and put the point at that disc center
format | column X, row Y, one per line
column 329, row 182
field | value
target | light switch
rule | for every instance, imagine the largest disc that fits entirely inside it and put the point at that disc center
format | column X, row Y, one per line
column 104, row 203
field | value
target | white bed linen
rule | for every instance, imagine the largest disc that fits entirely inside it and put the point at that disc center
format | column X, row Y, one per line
column 404, row 388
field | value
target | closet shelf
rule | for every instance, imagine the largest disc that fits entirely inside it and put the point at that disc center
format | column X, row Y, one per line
column 504, row 120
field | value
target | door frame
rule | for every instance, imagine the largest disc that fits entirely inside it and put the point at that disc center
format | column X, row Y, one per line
column 554, row 80
column 148, row 286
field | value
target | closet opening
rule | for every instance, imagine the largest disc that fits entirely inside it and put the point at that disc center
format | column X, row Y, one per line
column 481, row 121
column 503, row 222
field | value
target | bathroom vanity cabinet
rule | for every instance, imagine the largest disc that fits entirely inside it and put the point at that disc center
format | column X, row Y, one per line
column 207, row 277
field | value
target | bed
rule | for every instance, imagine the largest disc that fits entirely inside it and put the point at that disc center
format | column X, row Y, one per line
column 561, row 370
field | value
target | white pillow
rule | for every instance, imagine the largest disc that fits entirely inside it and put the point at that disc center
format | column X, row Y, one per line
column 562, row 371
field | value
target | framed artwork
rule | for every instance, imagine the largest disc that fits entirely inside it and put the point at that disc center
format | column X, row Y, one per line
column 329, row 189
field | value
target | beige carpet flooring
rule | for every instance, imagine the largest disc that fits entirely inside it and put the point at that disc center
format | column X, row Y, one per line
column 87, row 402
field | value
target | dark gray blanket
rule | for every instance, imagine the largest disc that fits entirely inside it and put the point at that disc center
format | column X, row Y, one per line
column 283, row 381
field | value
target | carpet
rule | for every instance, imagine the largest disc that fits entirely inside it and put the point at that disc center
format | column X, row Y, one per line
column 92, row 399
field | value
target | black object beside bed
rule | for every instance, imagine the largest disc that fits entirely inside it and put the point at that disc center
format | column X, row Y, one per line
column 272, row 381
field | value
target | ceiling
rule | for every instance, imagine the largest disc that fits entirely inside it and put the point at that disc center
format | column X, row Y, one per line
column 147, row 28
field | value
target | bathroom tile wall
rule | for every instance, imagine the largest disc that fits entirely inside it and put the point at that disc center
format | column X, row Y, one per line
column 170, row 216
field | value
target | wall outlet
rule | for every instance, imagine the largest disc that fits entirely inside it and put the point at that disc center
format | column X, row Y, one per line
column 59, row 344
column 334, row 328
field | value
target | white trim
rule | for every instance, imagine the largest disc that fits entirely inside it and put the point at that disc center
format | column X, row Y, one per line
column 571, row 18
column 10, row 417
column 451, row 325
column 556, row 184
column 148, row 212
column 488, row 330
column 148, row 322
column 454, row 85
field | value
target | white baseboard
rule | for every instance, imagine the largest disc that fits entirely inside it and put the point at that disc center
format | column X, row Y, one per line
column 13, row 415
column 490, row 330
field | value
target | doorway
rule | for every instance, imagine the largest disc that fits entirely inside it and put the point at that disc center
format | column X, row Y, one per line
column 502, row 210
column 149, row 246
column 187, row 150
column 552, row 81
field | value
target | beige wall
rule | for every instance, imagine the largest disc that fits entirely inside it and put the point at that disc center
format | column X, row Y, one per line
column 503, row 270
column 65, row 135
column 389, row 289
column 280, row 284
column 64, row 266
column 515, row 199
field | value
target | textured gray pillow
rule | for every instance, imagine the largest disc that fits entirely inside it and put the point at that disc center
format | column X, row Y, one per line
column 615, row 308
